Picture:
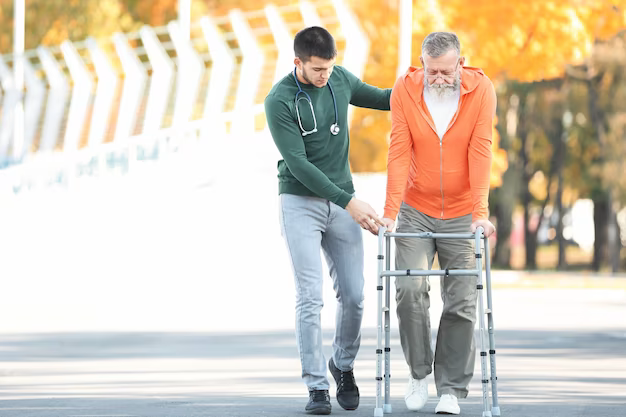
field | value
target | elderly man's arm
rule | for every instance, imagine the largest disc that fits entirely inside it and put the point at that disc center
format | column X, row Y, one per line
column 479, row 160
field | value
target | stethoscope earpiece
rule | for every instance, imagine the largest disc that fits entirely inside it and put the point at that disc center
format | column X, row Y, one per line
column 334, row 128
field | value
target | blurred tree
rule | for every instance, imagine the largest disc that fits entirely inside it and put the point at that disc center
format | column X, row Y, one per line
column 557, row 137
column 533, row 39
column 602, row 103
column 222, row 7
column 500, row 197
column 541, row 153
column 160, row 12
column 50, row 22
column 152, row 12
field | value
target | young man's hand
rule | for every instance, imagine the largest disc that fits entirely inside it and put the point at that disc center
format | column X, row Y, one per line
column 364, row 215
column 488, row 227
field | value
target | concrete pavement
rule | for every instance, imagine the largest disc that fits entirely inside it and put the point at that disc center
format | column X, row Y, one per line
column 544, row 369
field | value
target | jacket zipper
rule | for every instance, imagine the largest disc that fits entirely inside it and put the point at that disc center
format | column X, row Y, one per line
column 441, row 171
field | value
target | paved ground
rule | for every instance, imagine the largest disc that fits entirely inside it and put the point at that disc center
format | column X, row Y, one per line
column 574, row 369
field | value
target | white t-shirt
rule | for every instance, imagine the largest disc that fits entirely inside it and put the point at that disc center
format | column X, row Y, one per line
column 441, row 109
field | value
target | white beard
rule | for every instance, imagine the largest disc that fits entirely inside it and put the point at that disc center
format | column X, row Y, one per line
column 443, row 91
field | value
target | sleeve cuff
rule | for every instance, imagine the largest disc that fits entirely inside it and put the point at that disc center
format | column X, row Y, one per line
column 343, row 199
column 479, row 216
column 390, row 214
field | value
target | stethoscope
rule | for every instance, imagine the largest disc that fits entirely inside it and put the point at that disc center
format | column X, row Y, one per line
column 334, row 128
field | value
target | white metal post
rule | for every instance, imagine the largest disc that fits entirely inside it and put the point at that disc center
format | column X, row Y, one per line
column 184, row 18
column 18, row 70
column 405, row 34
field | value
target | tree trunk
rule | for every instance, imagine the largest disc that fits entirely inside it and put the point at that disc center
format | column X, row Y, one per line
column 562, row 264
column 617, row 265
column 600, row 220
column 503, row 198
column 605, row 226
column 613, row 239
column 530, row 244
column 530, row 240
column 559, row 161
column 607, row 245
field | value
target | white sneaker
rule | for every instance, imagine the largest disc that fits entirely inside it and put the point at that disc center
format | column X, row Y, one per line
column 448, row 404
column 416, row 393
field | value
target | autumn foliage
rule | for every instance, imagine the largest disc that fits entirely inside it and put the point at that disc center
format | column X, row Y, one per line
column 524, row 40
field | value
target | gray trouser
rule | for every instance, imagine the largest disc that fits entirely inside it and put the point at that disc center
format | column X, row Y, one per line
column 311, row 224
column 455, row 352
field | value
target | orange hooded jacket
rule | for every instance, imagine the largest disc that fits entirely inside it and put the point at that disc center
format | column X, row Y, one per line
column 448, row 178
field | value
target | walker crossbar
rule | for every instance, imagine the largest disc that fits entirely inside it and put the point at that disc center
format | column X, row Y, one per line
column 423, row 273
column 490, row 406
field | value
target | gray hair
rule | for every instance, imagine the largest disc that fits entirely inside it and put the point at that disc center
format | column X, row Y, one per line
column 439, row 43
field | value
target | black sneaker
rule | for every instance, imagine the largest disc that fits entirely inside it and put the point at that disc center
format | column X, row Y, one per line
column 347, row 391
column 319, row 402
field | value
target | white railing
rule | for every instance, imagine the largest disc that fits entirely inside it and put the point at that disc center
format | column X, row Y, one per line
column 79, row 128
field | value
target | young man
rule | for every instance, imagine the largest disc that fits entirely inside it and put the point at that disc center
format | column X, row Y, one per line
column 438, row 168
column 307, row 115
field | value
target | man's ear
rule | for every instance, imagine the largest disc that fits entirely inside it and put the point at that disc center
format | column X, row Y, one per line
column 422, row 61
column 462, row 61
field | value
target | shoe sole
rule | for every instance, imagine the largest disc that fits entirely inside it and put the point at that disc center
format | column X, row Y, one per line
column 336, row 378
column 414, row 408
column 319, row 411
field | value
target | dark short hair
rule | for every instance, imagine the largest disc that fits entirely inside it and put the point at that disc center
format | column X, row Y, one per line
column 314, row 41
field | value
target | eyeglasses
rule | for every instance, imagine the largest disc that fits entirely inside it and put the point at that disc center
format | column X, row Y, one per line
column 444, row 75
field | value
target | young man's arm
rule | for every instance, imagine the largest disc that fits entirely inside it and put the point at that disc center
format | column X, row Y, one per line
column 399, row 157
column 288, row 140
column 479, row 157
column 368, row 96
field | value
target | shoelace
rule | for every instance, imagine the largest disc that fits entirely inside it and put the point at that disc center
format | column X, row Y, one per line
column 347, row 381
column 320, row 396
column 415, row 384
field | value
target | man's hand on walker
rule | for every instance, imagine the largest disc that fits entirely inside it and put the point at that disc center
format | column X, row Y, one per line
column 389, row 224
column 488, row 227
column 364, row 215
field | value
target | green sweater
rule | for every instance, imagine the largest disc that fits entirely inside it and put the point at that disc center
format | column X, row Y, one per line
column 317, row 164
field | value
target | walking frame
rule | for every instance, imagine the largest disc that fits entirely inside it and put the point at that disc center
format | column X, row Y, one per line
column 384, row 270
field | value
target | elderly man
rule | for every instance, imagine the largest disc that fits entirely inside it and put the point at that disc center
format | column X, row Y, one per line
column 438, row 181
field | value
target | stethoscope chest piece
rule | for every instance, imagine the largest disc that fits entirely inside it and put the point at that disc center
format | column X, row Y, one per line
column 334, row 129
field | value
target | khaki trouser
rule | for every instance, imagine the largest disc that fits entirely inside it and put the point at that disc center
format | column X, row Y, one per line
column 455, row 352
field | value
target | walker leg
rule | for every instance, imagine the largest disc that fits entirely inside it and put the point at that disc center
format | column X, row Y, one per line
column 378, row 411
column 481, row 319
column 387, row 309
column 495, row 410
